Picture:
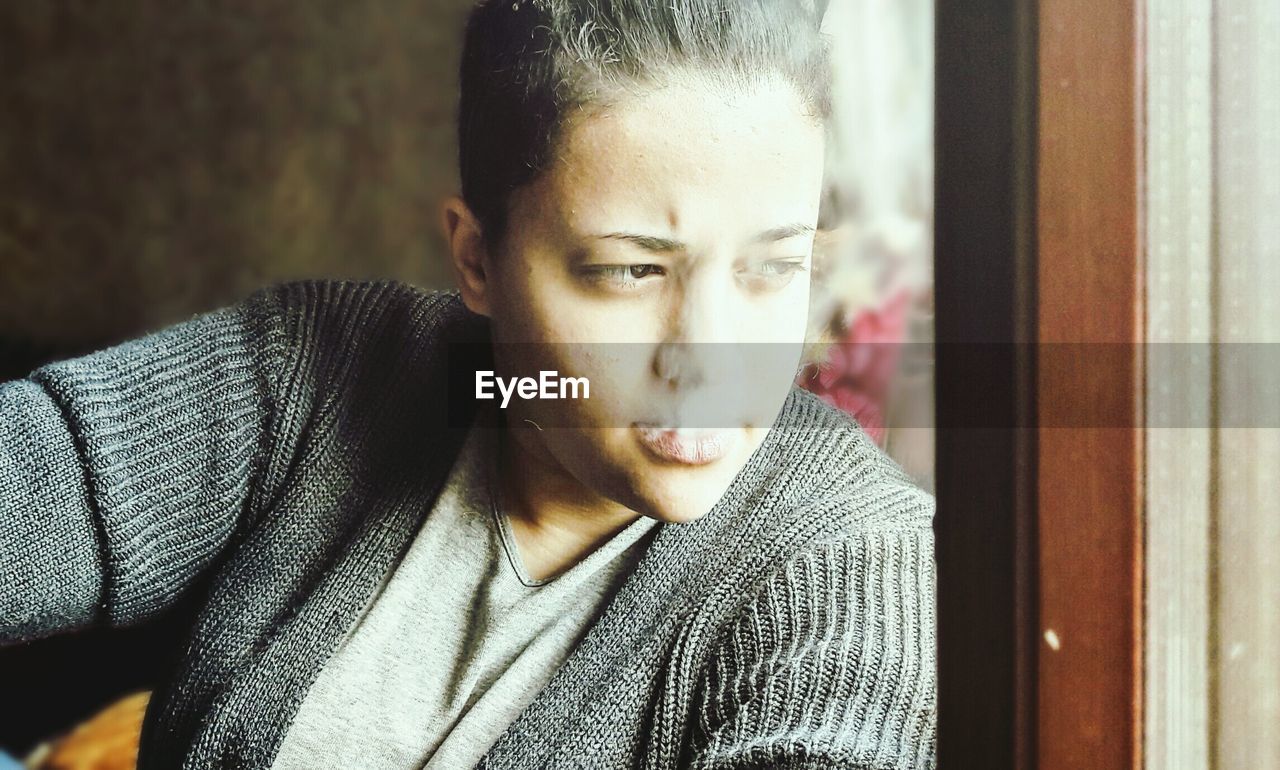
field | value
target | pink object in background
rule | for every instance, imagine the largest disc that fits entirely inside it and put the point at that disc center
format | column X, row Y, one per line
column 860, row 365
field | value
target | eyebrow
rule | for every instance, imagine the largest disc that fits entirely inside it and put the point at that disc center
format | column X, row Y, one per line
column 660, row 244
column 784, row 232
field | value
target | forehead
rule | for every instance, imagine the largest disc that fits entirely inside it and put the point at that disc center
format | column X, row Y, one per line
column 690, row 154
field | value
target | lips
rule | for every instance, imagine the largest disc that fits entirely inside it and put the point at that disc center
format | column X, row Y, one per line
column 683, row 445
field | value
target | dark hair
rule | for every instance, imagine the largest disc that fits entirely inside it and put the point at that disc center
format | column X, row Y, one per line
column 527, row 64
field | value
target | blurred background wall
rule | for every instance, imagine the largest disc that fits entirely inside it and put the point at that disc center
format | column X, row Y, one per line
column 158, row 159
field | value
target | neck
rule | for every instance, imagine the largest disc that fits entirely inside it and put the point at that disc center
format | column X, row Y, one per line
column 557, row 521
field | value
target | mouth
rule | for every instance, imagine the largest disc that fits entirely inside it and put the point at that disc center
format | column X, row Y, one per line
column 683, row 446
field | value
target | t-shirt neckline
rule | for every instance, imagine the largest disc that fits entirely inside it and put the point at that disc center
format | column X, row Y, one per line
column 506, row 535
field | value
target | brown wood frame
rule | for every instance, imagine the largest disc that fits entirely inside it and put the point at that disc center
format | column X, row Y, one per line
column 1090, row 287
column 1038, row 242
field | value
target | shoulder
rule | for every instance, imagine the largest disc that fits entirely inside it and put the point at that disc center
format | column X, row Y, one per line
column 832, row 480
column 326, row 311
column 361, row 367
column 817, row 504
column 847, row 513
column 827, row 658
column 338, row 335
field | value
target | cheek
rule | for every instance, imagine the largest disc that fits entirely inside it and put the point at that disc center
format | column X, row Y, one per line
column 784, row 315
column 618, row 388
column 525, row 303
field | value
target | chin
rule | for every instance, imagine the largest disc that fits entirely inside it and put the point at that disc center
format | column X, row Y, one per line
column 673, row 484
column 684, row 509
column 682, row 494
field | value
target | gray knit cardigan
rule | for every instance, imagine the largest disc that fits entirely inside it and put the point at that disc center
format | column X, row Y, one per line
column 274, row 457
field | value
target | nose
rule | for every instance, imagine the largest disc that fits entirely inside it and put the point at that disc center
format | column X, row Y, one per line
column 698, row 332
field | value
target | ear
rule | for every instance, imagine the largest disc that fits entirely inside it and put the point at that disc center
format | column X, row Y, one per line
column 469, row 253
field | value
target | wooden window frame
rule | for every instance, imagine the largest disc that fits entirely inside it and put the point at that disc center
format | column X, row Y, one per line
column 1039, row 230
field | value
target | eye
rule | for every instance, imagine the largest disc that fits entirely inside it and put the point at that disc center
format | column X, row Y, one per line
column 772, row 274
column 623, row 276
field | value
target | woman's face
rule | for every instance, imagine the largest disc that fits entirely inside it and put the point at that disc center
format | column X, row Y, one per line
column 663, row 256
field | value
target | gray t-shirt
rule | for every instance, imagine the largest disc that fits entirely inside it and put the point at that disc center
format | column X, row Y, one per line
column 458, row 640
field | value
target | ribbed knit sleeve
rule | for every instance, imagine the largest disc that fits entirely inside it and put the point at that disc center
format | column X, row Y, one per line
column 832, row 664
column 49, row 568
column 124, row 472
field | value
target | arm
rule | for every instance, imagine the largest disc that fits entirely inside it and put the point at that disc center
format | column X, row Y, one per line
column 832, row 665
column 124, row 473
